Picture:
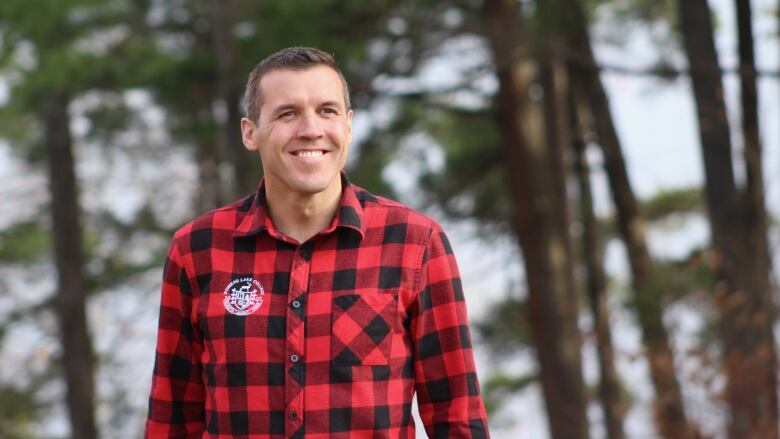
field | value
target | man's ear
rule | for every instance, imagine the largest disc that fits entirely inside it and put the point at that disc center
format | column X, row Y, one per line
column 349, row 125
column 248, row 130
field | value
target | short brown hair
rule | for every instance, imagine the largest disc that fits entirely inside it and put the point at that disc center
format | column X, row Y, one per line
column 290, row 58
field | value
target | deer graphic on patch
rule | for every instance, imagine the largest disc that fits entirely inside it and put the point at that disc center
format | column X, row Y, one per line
column 243, row 296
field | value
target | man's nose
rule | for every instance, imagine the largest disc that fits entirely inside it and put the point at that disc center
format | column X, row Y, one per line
column 309, row 127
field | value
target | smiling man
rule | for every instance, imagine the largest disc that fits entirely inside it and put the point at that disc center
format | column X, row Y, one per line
column 312, row 307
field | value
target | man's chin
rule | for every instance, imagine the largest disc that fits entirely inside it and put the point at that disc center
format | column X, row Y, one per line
column 313, row 187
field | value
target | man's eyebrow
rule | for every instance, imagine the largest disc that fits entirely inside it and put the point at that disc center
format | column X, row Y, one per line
column 330, row 104
column 283, row 107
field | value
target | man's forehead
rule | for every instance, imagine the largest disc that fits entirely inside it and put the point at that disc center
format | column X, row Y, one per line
column 288, row 82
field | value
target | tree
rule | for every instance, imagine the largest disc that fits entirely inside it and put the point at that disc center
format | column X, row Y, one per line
column 245, row 175
column 596, row 289
column 669, row 410
column 755, row 210
column 740, row 259
column 536, row 179
column 52, row 39
column 59, row 66
column 66, row 229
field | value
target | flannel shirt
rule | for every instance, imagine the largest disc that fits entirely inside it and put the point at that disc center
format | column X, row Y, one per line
column 261, row 336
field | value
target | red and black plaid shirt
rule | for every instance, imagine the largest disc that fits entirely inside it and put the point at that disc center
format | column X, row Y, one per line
column 261, row 336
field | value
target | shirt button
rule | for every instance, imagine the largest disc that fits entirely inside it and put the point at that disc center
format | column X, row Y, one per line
column 296, row 304
column 294, row 358
column 294, row 415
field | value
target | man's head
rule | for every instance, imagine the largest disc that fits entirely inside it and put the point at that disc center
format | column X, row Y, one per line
column 299, row 120
column 291, row 58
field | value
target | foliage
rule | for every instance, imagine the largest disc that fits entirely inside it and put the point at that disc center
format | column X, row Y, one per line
column 675, row 280
column 632, row 11
column 472, row 184
column 505, row 332
column 615, row 20
column 24, row 242
column 65, row 49
column 671, row 202
column 17, row 413
column 660, row 207
column 500, row 386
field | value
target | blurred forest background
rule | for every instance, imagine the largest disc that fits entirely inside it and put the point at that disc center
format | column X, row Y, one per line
column 598, row 310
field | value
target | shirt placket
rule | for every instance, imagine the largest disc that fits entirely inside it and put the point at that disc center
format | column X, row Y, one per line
column 295, row 344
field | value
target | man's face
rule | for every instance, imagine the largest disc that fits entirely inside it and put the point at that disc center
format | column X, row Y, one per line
column 303, row 132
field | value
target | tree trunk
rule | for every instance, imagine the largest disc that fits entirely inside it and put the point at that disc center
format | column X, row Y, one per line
column 742, row 278
column 609, row 383
column 749, row 101
column 71, row 298
column 207, row 197
column 557, row 136
column 246, row 176
column 756, row 220
column 669, row 412
column 208, row 154
column 533, row 176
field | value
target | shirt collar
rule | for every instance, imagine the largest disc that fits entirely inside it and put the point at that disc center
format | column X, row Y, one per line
column 349, row 214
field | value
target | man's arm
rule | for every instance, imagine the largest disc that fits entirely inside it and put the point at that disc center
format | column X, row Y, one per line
column 445, row 376
column 176, row 403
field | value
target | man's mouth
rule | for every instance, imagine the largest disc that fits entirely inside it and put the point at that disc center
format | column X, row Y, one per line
column 309, row 154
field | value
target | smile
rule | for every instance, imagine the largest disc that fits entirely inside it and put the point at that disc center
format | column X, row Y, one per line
column 309, row 154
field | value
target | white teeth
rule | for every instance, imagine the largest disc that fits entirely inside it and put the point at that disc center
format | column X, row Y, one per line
column 309, row 154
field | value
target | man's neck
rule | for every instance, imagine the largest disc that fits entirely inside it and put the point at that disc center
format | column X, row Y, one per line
column 302, row 216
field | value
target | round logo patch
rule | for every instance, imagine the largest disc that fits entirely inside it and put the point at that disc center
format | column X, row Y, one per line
column 243, row 296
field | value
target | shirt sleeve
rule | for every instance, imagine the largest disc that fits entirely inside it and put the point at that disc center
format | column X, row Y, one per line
column 448, row 393
column 176, row 402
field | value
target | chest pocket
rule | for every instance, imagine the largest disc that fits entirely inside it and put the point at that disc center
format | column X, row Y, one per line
column 362, row 328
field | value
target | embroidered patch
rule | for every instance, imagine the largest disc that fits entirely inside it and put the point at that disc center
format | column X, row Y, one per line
column 243, row 296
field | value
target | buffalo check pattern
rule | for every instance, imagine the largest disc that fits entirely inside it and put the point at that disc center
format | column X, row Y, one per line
column 352, row 324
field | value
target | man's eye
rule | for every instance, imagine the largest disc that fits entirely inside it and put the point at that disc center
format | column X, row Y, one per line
column 287, row 114
column 329, row 110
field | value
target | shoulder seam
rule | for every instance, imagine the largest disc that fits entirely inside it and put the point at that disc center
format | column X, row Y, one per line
column 192, row 281
column 423, row 250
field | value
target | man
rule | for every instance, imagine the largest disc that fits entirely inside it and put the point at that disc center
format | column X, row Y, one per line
column 311, row 307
